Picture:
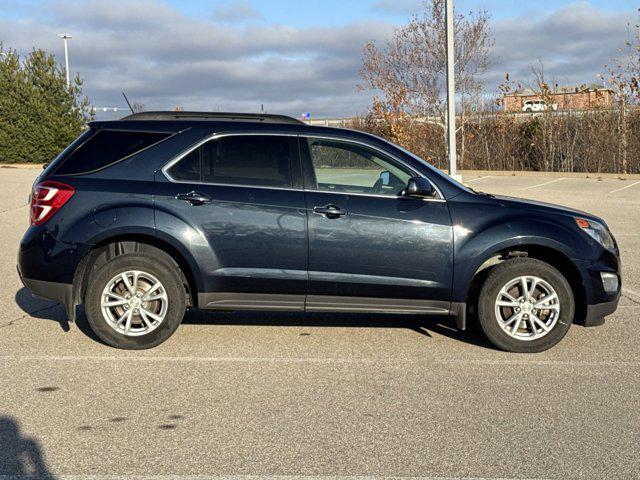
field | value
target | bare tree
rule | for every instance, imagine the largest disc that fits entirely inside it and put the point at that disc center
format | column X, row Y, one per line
column 407, row 75
column 138, row 107
column 623, row 77
column 409, row 71
column 545, row 90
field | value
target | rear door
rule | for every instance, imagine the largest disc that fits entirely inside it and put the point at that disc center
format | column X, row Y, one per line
column 370, row 249
column 239, row 200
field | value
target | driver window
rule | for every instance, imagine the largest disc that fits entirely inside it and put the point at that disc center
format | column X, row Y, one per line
column 352, row 168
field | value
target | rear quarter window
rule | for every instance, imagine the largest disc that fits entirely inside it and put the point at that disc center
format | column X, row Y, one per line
column 106, row 147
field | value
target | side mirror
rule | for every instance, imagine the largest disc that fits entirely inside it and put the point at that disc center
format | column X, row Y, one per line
column 385, row 178
column 418, row 187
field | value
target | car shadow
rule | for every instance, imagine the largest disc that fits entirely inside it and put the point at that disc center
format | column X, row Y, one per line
column 47, row 310
column 39, row 308
column 423, row 325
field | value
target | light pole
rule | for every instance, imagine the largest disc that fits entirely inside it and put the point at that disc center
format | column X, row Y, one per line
column 451, row 92
column 65, row 37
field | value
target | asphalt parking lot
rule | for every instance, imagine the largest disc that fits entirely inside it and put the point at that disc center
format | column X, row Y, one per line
column 290, row 395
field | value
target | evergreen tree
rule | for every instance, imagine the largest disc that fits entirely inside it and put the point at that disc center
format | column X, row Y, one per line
column 39, row 114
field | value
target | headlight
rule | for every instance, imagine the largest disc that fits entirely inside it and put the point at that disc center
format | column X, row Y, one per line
column 597, row 231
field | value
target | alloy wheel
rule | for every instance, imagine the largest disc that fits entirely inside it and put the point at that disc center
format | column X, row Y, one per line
column 527, row 308
column 134, row 303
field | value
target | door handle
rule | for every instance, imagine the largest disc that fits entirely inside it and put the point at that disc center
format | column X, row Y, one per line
column 194, row 198
column 330, row 211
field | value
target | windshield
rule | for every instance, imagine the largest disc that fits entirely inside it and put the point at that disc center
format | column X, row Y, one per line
column 435, row 170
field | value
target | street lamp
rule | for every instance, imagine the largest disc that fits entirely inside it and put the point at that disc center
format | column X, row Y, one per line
column 66, row 36
column 451, row 91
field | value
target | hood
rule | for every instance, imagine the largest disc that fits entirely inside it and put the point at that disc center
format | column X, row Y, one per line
column 544, row 207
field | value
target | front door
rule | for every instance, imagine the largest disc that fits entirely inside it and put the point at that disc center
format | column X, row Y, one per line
column 236, row 200
column 370, row 249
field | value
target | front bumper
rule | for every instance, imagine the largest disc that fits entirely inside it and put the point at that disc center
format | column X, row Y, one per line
column 596, row 313
column 599, row 301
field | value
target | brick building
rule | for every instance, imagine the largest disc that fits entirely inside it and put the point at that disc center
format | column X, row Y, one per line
column 566, row 98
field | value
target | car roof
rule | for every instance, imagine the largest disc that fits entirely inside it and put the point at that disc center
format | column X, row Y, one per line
column 215, row 116
column 174, row 122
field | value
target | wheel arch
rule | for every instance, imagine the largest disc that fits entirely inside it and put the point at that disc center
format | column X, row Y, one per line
column 114, row 246
column 548, row 254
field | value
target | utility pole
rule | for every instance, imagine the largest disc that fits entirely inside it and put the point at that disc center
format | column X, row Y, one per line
column 65, row 37
column 451, row 92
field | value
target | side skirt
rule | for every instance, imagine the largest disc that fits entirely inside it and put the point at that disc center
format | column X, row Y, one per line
column 326, row 303
column 251, row 301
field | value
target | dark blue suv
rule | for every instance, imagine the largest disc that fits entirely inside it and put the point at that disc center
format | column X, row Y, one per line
column 141, row 218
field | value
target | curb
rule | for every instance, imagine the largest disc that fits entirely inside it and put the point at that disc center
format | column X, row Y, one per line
column 22, row 166
column 524, row 173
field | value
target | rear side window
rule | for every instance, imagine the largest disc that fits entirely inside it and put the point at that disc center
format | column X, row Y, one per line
column 106, row 147
column 188, row 168
column 251, row 160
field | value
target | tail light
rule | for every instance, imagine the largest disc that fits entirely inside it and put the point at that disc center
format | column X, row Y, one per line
column 47, row 198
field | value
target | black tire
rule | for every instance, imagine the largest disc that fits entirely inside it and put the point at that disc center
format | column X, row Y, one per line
column 163, row 270
column 503, row 273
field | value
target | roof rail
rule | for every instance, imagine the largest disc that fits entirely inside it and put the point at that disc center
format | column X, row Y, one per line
column 222, row 116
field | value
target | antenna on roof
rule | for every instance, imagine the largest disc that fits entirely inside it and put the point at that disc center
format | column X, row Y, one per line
column 127, row 100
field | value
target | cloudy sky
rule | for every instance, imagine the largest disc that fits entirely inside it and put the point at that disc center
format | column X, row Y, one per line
column 293, row 56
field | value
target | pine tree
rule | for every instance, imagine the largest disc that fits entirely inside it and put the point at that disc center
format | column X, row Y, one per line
column 39, row 114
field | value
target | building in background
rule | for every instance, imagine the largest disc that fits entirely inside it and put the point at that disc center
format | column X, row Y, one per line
column 585, row 97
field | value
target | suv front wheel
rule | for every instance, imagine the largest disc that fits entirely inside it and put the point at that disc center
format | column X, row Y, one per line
column 135, row 301
column 525, row 305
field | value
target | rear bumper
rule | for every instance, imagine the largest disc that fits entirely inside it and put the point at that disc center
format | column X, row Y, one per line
column 44, row 258
column 47, row 267
column 61, row 293
column 57, row 292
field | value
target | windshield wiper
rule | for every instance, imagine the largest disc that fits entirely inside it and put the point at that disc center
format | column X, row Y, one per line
column 483, row 194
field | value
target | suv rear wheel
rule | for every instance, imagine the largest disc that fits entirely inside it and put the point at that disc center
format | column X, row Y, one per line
column 135, row 301
column 525, row 305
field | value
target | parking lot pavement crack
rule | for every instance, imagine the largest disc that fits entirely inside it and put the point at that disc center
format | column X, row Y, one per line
column 632, row 295
column 28, row 314
column 14, row 208
column 631, row 299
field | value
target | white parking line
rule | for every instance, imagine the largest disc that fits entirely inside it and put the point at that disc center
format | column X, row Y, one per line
column 545, row 183
column 477, row 178
column 247, row 477
column 625, row 187
column 298, row 360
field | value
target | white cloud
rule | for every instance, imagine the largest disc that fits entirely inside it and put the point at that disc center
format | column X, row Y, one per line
column 574, row 43
column 163, row 58
column 236, row 12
